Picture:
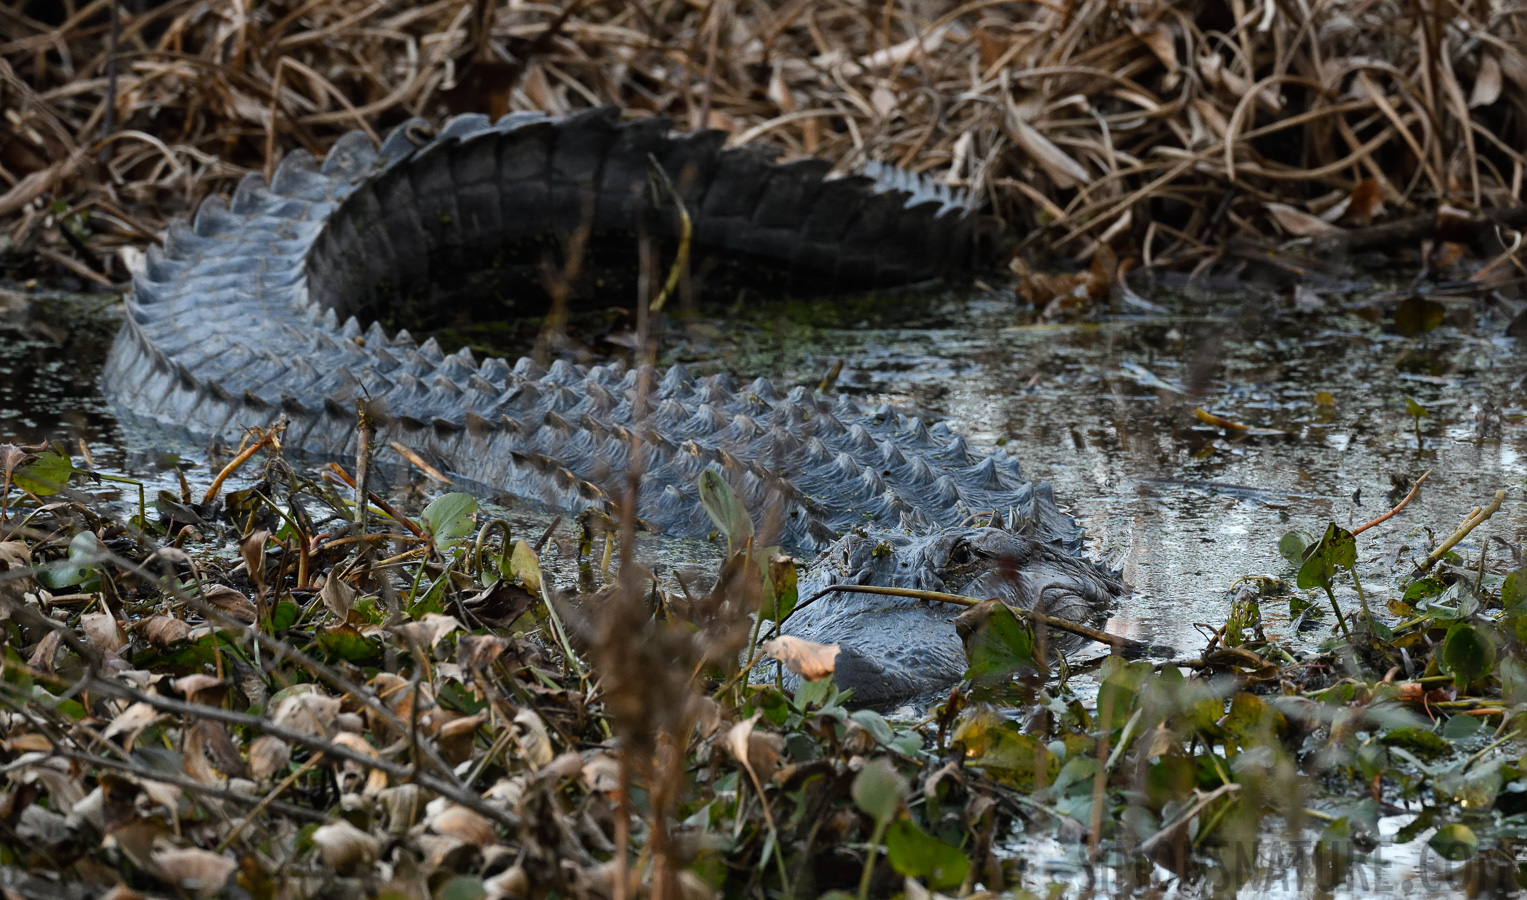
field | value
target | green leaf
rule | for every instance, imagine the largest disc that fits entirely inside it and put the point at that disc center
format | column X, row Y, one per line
column 1454, row 842
column 1475, row 789
column 1513, row 592
column 349, row 644
column 1418, row 740
column 781, row 589
column 916, row 854
column 875, row 724
column 997, row 643
column 1336, row 550
column 45, row 475
column 462, row 887
column 1293, row 544
column 1416, row 410
column 284, row 615
column 1423, row 589
column 1121, row 685
column 1007, row 755
column 1467, row 654
column 811, row 692
column 724, row 508
column 526, row 566
column 1513, row 679
column 449, row 518
column 878, row 789
column 1460, row 728
column 84, row 552
column 1252, row 722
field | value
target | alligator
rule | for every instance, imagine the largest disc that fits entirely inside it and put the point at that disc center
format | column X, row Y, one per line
column 278, row 303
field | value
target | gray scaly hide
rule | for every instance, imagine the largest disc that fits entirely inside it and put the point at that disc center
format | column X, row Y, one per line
column 265, row 307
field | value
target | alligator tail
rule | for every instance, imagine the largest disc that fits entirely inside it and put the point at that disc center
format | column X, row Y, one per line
column 254, row 310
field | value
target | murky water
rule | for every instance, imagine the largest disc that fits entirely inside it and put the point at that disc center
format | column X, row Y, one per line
column 1105, row 412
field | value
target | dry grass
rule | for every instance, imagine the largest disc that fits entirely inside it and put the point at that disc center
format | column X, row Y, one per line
column 1162, row 128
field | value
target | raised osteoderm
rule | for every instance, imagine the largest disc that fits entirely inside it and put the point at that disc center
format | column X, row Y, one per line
column 273, row 305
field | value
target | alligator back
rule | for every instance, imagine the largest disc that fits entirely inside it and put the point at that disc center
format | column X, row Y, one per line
column 273, row 305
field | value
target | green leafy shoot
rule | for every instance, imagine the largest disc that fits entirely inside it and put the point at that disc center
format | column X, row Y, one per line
column 1336, row 550
column 81, row 568
column 724, row 508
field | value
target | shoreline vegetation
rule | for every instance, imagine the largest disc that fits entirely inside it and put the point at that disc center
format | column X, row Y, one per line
column 280, row 684
column 1186, row 136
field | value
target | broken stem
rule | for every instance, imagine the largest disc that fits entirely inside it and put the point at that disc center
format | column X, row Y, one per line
column 1414, row 490
column 270, row 438
column 1475, row 519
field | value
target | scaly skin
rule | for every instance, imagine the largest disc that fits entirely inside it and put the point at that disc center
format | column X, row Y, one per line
column 255, row 312
column 895, row 649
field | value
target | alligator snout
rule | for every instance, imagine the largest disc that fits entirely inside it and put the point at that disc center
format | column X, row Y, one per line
column 895, row 650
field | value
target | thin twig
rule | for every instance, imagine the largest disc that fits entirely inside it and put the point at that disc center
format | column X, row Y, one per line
column 1123, row 644
column 1414, row 490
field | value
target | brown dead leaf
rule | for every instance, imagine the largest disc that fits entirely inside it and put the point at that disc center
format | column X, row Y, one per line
column 202, row 688
column 375, row 779
column 163, row 632
column 429, row 631
column 1158, row 38
column 1365, row 202
column 443, row 853
column 1487, row 83
column 47, row 649
column 337, row 595
column 602, row 773
column 808, row 659
column 533, row 737
column 884, row 101
column 900, row 54
column 1447, row 254
column 29, row 742
column 455, row 738
column 230, row 602
column 454, row 820
column 1064, row 171
column 514, row 882
column 476, row 652
column 309, row 712
column 779, row 91
column 1297, row 222
column 267, row 756
column 131, row 722
column 345, row 848
column 14, row 556
column 103, row 632
column 498, row 605
column 201, row 873
column 252, row 549
column 193, row 752
column 404, row 805
column 759, row 753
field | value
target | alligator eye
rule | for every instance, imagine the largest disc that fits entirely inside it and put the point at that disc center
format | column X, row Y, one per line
column 960, row 554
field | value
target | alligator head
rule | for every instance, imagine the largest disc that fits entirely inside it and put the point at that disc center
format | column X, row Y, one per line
column 897, row 649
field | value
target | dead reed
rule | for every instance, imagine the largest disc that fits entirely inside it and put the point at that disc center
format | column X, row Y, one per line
column 1162, row 128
